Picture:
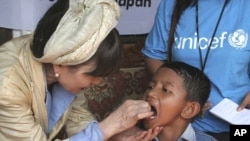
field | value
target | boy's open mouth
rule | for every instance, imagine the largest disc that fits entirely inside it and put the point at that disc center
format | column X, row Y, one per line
column 153, row 109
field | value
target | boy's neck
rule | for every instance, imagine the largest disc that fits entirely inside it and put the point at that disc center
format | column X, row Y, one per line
column 173, row 132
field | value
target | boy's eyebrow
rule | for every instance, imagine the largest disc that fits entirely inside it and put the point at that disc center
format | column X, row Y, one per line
column 154, row 80
column 169, row 83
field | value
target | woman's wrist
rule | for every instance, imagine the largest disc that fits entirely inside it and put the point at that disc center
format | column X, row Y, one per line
column 108, row 129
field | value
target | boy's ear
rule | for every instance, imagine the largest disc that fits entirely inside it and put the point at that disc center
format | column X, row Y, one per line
column 190, row 110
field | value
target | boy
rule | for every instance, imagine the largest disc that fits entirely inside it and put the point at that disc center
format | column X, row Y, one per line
column 176, row 93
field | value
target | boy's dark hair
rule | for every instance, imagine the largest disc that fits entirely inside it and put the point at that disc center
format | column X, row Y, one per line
column 108, row 56
column 196, row 83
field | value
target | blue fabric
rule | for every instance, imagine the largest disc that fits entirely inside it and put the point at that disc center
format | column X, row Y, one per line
column 57, row 103
column 91, row 133
column 193, row 135
column 201, row 136
column 48, row 106
column 228, row 62
column 60, row 101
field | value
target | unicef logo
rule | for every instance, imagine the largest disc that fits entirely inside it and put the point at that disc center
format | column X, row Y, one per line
column 238, row 38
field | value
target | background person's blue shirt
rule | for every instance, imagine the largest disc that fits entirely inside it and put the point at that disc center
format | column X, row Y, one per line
column 228, row 62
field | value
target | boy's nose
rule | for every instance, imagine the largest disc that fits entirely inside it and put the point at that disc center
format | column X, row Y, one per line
column 152, row 93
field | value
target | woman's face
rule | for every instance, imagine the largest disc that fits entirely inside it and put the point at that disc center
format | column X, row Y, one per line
column 166, row 95
column 76, row 80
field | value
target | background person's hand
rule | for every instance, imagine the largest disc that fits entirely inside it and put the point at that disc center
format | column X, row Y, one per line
column 206, row 106
column 124, row 117
column 245, row 103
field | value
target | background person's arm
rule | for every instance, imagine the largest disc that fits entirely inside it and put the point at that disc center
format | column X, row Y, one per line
column 152, row 65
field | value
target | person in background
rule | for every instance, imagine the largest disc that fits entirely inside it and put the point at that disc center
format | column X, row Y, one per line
column 177, row 92
column 43, row 75
column 211, row 35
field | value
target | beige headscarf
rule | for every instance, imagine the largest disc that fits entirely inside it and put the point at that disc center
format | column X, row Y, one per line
column 80, row 31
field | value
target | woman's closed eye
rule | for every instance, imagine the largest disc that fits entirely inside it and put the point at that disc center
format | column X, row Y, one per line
column 165, row 90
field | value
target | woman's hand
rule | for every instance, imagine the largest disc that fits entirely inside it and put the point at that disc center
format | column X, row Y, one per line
column 125, row 117
column 245, row 102
column 136, row 134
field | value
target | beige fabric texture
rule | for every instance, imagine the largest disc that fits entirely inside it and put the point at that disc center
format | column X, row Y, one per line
column 23, row 113
column 80, row 31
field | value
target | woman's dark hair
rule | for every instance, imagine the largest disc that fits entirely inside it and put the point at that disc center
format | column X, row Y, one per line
column 108, row 57
column 196, row 83
column 179, row 7
column 47, row 25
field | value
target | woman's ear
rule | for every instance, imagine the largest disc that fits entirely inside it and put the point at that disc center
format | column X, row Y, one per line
column 57, row 68
column 191, row 110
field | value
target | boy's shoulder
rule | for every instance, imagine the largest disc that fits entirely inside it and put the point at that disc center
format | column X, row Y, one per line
column 202, row 136
column 190, row 134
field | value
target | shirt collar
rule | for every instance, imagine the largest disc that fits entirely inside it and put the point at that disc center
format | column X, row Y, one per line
column 188, row 135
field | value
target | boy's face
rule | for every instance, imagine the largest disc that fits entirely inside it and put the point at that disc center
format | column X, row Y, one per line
column 166, row 95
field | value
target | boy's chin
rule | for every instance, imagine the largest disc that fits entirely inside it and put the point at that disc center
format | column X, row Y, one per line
column 148, row 124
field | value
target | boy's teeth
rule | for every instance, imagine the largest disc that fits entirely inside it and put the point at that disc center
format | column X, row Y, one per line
column 152, row 117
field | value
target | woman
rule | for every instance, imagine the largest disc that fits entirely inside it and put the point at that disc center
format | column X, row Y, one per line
column 43, row 75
